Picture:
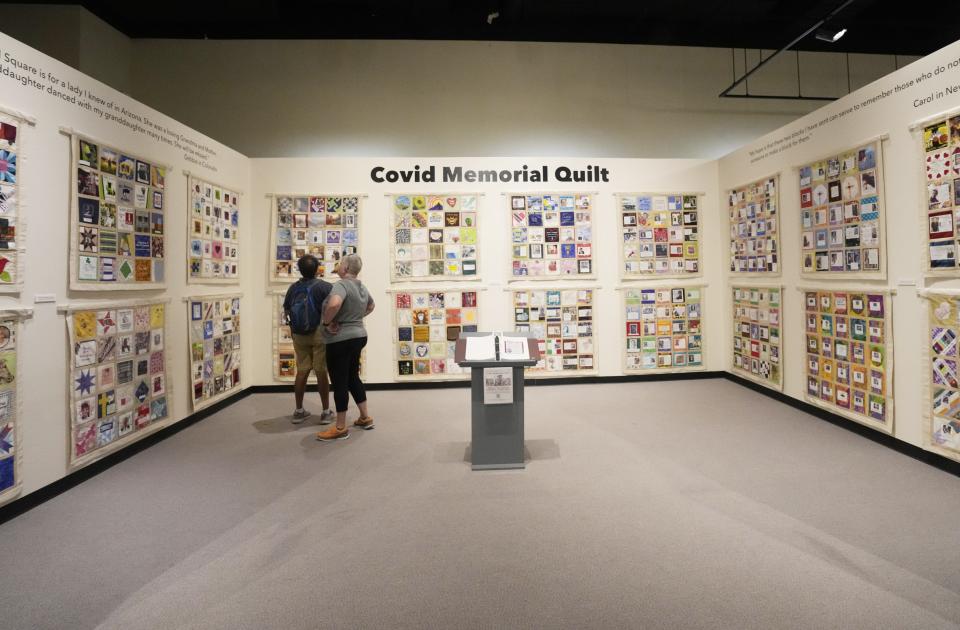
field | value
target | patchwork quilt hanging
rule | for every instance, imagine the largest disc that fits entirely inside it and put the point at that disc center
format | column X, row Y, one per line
column 213, row 234
column 755, row 227
column 434, row 237
column 942, row 421
column 941, row 174
column 117, row 223
column 11, row 218
column 562, row 321
column 663, row 329
column 850, row 354
column 842, row 214
column 326, row 226
column 757, row 350
column 214, row 339
column 427, row 324
column 660, row 235
column 551, row 235
column 118, row 376
column 10, row 451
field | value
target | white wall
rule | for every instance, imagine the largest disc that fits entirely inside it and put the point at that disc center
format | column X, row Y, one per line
column 905, row 210
column 44, row 176
column 352, row 175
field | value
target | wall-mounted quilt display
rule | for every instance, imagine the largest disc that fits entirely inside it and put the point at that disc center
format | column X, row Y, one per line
column 942, row 434
column 941, row 173
column 117, row 377
column 10, row 483
column 427, row 324
column 850, row 355
column 117, row 234
column 433, row 237
column 842, row 214
column 660, row 235
column 326, row 226
column 214, row 347
column 284, row 359
column 551, row 235
column 757, row 352
column 11, row 220
column 562, row 321
column 755, row 227
column 663, row 329
column 214, row 254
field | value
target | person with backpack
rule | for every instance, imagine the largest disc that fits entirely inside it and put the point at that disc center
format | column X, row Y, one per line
column 345, row 336
column 302, row 306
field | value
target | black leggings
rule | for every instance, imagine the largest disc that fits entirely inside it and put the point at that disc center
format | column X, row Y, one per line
column 343, row 365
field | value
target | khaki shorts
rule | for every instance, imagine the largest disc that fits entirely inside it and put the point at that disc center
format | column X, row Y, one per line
column 311, row 352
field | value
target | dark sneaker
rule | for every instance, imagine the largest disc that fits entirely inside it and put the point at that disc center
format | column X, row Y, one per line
column 332, row 434
column 364, row 423
column 299, row 416
column 327, row 416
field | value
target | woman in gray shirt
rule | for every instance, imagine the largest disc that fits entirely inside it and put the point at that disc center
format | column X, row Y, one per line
column 345, row 336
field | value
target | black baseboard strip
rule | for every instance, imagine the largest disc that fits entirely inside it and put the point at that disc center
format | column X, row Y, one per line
column 905, row 448
column 28, row 502
column 528, row 382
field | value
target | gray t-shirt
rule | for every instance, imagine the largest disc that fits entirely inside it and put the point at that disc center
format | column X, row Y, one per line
column 354, row 308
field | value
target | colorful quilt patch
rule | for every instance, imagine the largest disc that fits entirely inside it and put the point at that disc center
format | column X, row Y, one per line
column 551, row 235
column 755, row 227
column 427, row 325
column 756, row 334
column 326, row 226
column 434, row 236
column 562, row 321
column 117, row 366
column 213, row 240
column 660, row 235
column 663, row 328
column 118, row 230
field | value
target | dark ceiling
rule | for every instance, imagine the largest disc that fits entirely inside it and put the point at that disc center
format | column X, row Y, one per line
column 906, row 28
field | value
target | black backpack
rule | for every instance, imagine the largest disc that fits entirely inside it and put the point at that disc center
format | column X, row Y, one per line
column 304, row 311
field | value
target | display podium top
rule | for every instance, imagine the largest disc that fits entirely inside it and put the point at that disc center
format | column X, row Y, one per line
column 461, row 351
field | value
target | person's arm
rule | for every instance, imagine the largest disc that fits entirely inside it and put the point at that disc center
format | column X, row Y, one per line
column 334, row 302
column 286, row 305
column 370, row 305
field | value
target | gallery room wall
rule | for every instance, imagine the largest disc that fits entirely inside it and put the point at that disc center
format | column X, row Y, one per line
column 353, row 175
column 354, row 98
column 840, row 126
column 44, row 177
column 398, row 98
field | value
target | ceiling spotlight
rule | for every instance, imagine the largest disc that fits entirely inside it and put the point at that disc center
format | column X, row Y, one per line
column 492, row 17
column 830, row 34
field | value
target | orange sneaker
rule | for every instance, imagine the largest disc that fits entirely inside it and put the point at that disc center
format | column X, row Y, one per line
column 364, row 423
column 333, row 433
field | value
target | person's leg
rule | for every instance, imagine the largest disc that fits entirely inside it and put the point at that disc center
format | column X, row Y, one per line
column 304, row 356
column 357, row 390
column 323, row 381
column 300, row 387
column 338, row 358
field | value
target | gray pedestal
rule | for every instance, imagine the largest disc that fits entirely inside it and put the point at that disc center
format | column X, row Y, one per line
column 496, row 430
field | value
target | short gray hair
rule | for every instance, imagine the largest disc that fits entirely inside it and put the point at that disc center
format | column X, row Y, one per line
column 353, row 262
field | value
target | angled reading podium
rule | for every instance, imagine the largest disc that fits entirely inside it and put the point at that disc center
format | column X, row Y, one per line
column 496, row 395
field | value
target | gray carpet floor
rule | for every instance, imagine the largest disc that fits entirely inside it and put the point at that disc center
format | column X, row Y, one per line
column 695, row 504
